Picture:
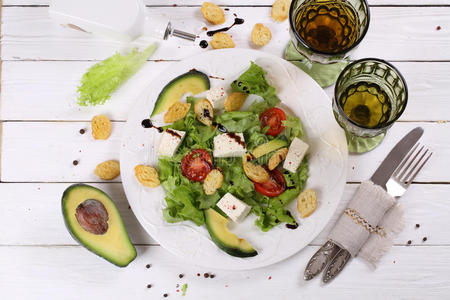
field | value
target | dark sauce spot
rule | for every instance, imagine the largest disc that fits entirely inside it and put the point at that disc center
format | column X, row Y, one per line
column 292, row 226
column 149, row 286
column 181, row 275
column 245, row 88
column 212, row 276
column 148, row 266
column 82, row 131
column 203, row 44
column 438, row 28
column 220, row 127
column 237, row 21
column 417, row 225
column 290, row 187
column 424, row 239
column 173, row 133
column 207, row 114
column 239, row 83
column 231, row 182
column 277, row 221
column 226, row 9
column 215, row 77
column 75, row 162
column 147, row 123
column 206, row 275
column 165, row 295
column 409, row 242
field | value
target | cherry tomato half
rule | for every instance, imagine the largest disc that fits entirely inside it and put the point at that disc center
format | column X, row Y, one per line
column 196, row 165
column 273, row 187
column 273, row 118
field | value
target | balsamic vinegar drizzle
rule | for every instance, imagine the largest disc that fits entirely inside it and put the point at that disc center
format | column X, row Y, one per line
column 203, row 44
column 237, row 138
column 147, row 123
column 237, row 21
column 173, row 133
column 220, row 127
column 291, row 226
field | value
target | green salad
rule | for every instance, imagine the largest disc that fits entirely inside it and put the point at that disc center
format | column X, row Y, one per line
column 186, row 199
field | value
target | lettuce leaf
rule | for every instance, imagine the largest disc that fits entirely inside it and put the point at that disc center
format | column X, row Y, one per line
column 105, row 77
column 293, row 127
column 253, row 81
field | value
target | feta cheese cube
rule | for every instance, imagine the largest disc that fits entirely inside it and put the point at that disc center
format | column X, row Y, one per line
column 295, row 155
column 229, row 145
column 233, row 207
column 170, row 141
column 217, row 97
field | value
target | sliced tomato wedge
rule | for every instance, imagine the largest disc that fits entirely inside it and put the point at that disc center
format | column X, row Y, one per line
column 275, row 186
column 196, row 165
column 273, row 118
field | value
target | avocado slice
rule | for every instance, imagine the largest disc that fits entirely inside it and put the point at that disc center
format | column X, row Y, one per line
column 93, row 220
column 193, row 82
column 269, row 147
column 224, row 239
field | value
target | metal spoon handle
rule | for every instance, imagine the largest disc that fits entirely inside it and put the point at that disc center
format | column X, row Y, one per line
column 336, row 265
column 320, row 259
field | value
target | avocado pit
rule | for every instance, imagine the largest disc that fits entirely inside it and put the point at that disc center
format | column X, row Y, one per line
column 92, row 216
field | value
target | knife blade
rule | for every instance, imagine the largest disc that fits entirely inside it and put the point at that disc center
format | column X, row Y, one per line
column 332, row 252
column 380, row 177
column 395, row 157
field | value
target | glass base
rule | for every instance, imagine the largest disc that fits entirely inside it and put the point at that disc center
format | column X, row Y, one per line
column 358, row 144
column 324, row 74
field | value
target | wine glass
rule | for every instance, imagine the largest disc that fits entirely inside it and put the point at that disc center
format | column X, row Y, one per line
column 323, row 35
column 369, row 96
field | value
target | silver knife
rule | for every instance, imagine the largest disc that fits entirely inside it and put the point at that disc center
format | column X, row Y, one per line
column 332, row 252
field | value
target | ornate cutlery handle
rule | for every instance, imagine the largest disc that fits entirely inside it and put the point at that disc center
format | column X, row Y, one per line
column 336, row 265
column 320, row 259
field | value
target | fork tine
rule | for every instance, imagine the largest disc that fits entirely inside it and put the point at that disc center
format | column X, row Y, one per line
column 399, row 168
column 410, row 163
column 416, row 163
column 410, row 179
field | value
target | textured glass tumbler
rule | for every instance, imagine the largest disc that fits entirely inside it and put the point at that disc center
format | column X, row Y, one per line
column 323, row 35
column 375, row 71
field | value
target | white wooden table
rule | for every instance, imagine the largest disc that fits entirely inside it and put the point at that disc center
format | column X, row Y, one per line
column 41, row 66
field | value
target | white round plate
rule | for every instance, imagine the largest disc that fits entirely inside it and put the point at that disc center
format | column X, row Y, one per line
column 327, row 163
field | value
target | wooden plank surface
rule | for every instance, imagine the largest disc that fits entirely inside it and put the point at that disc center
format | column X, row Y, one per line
column 426, row 205
column 44, row 152
column 43, row 272
column 39, row 259
column 54, row 91
column 402, row 33
column 239, row 3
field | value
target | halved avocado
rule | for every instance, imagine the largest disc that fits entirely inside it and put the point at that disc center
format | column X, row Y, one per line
column 224, row 239
column 193, row 82
column 93, row 220
column 269, row 147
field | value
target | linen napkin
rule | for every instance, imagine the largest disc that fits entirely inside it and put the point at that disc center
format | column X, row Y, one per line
column 368, row 224
column 324, row 74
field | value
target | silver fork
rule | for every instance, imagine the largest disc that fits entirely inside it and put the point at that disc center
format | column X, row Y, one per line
column 406, row 172
column 396, row 186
